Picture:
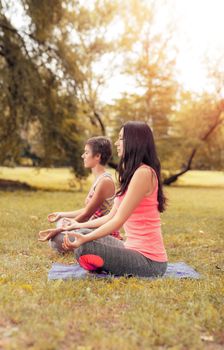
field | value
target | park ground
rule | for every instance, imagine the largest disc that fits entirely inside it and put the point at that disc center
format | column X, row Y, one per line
column 119, row 313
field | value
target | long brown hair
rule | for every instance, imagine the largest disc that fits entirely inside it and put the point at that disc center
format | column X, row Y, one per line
column 139, row 147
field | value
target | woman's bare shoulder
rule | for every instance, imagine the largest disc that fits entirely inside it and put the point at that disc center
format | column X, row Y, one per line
column 145, row 171
column 105, row 183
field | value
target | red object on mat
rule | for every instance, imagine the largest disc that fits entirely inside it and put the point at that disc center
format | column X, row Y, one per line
column 91, row 262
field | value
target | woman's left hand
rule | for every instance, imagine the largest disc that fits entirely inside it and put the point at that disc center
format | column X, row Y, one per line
column 79, row 240
column 48, row 234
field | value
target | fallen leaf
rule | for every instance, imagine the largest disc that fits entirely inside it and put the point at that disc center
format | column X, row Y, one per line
column 207, row 337
column 33, row 217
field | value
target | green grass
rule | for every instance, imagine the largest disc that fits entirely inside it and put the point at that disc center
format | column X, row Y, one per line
column 53, row 179
column 43, row 178
column 202, row 178
column 63, row 179
column 116, row 314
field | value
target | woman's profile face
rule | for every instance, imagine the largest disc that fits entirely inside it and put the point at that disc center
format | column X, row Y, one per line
column 120, row 144
column 89, row 160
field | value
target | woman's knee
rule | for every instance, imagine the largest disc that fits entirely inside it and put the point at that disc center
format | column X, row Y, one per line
column 84, row 231
column 56, row 243
column 87, row 248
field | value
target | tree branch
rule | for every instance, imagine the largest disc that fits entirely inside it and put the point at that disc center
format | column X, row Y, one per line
column 217, row 122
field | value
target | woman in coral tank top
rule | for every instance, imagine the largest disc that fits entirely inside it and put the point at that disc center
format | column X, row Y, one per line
column 137, row 208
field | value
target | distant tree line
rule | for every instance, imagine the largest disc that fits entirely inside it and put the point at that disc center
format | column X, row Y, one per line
column 54, row 68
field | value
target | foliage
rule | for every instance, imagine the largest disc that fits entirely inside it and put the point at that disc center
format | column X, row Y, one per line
column 55, row 67
column 45, row 72
column 150, row 61
column 199, row 125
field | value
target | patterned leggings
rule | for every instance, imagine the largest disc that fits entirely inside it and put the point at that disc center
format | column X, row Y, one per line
column 109, row 254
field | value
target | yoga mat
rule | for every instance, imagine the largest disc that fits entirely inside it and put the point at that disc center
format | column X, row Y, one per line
column 61, row 271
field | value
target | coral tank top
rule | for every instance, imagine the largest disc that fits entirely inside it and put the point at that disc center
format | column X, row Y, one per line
column 143, row 227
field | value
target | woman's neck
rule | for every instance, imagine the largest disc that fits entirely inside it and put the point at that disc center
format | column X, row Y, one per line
column 98, row 170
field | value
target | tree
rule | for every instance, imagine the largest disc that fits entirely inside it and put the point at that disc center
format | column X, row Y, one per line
column 47, row 78
column 54, row 69
column 149, row 59
column 199, row 120
column 32, row 90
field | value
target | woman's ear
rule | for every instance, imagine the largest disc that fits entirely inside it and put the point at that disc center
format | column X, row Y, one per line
column 98, row 156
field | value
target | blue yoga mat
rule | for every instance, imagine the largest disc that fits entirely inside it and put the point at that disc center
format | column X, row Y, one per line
column 75, row 271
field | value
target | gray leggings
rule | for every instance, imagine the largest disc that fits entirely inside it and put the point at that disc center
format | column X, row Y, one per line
column 114, row 258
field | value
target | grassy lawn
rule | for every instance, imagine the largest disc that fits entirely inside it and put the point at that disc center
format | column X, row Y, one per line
column 63, row 179
column 116, row 314
column 202, row 178
column 53, row 179
column 43, row 178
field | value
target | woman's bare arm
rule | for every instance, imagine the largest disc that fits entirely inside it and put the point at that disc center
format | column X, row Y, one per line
column 104, row 190
column 92, row 223
column 139, row 186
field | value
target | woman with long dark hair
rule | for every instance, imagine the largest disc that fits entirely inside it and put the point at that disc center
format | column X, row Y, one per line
column 137, row 207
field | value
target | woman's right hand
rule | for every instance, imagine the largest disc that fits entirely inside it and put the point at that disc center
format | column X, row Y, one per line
column 54, row 216
column 69, row 245
column 67, row 222
column 74, row 225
